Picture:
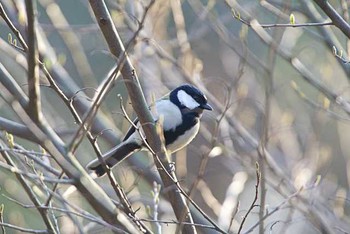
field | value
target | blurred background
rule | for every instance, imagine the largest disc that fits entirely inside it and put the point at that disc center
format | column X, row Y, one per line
column 271, row 86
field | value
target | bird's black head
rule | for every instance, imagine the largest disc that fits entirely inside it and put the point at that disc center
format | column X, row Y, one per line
column 189, row 97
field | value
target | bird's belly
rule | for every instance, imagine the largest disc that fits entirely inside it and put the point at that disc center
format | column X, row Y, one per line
column 183, row 140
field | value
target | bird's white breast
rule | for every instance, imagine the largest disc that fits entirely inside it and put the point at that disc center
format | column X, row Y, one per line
column 184, row 139
column 172, row 118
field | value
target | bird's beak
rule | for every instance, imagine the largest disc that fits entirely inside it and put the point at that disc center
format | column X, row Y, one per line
column 206, row 107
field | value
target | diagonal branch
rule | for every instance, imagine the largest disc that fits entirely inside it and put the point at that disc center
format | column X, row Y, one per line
column 54, row 145
column 141, row 108
column 17, row 129
column 12, row 27
column 44, row 214
column 337, row 20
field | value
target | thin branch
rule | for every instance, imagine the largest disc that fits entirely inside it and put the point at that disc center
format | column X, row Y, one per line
column 70, row 105
column 84, row 215
column 258, row 175
column 178, row 223
column 237, row 16
column 140, row 106
column 17, row 171
column 88, row 119
column 63, row 96
column 105, row 87
column 180, row 189
column 84, row 183
column 2, row 208
column 71, row 39
column 84, row 128
column 274, row 210
column 55, row 146
column 35, row 156
column 16, row 129
column 27, row 230
column 234, row 212
column 328, row 35
column 27, row 188
column 205, row 157
column 302, row 69
column 173, row 179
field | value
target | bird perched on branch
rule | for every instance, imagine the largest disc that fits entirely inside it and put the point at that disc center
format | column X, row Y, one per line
column 181, row 112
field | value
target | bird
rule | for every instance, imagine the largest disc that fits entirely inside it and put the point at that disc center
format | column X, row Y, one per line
column 181, row 112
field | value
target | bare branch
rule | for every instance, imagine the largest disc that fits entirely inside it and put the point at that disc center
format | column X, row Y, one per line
column 140, row 106
column 33, row 197
column 34, row 105
column 27, row 230
column 17, row 129
column 12, row 27
column 337, row 20
column 237, row 16
column 253, row 204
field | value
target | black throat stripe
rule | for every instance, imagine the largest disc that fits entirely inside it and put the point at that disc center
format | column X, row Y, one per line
column 189, row 120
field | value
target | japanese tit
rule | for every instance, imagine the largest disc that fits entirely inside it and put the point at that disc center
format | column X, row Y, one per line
column 181, row 113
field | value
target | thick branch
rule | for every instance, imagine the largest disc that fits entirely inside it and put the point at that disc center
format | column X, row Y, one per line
column 141, row 108
column 17, row 129
column 338, row 21
column 34, row 107
column 54, row 145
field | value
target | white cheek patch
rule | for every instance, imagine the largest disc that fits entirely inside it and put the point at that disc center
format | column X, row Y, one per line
column 187, row 100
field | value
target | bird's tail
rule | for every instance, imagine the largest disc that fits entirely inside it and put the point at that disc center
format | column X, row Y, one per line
column 113, row 157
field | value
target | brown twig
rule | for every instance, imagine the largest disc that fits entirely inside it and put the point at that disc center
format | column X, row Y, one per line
column 12, row 27
column 54, row 145
column 178, row 223
column 337, row 20
column 17, row 171
column 235, row 211
column 277, row 208
column 21, row 229
column 110, row 213
column 79, row 213
column 237, row 16
column 2, row 209
column 33, row 197
column 253, row 205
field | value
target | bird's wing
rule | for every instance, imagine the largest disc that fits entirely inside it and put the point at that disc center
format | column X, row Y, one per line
column 132, row 129
column 113, row 157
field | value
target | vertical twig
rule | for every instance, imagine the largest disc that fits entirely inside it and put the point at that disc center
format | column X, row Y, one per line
column 34, row 105
column 2, row 208
column 258, row 177
column 266, row 124
column 156, row 197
